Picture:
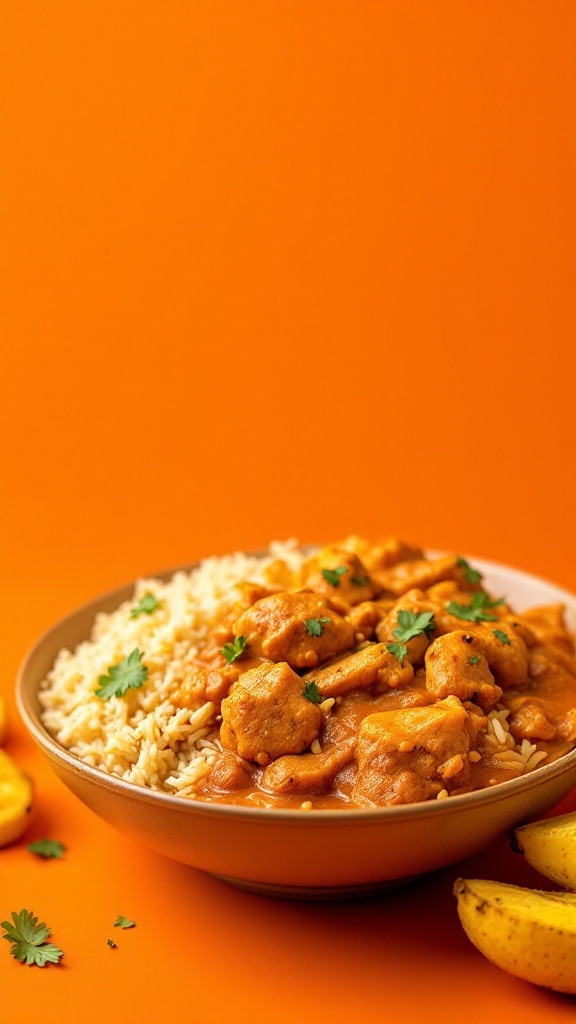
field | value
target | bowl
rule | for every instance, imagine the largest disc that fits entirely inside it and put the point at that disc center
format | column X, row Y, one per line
column 322, row 854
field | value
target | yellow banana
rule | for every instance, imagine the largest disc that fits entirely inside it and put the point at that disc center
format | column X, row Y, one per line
column 3, row 721
column 528, row 933
column 15, row 800
column 550, row 847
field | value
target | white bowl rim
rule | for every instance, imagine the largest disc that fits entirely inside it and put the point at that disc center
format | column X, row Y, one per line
column 375, row 815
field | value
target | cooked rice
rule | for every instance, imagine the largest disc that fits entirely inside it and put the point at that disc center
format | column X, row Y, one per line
column 143, row 737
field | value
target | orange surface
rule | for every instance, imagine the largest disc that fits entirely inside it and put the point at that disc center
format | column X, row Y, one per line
column 273, row 268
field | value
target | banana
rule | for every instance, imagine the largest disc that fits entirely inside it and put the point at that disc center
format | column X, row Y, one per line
column 550, row 847
column 15, row 800
column 528, row 933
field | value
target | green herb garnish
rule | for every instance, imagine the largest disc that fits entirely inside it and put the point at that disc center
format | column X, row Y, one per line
column 47, row 848
column 146, row 605
column 316, row 626
column 124, row 922
column 501, row 635
column 411, row 625
column 473, row 660
column 128, row 674
column 111, row 943
column 398, row 650
column 360, row 581
column 28, row 940
column 477, row 610
column 332, row 576
column 234, row 650
column 312, row 693
column 470, row 575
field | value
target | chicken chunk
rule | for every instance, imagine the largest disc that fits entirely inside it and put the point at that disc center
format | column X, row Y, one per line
column 415, row 603
column 420, row 573
column 530, row 719
column 365, row 617
column 228, row 773
column 547, row 625
column 307, row 773
column 266, row 715
column 502, row 641
column 456, row 664
column 382, row 554
column 340, row 576
column 300, row 629
column 371, row 666
column 412, row 754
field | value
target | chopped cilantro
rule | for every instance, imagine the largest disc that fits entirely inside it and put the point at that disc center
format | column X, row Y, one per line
column 501, row 635
column 398, row 650
column 124, row 922
column 47, row 848
column 312, row 693
column 130, row 673
column 111, row 943
column 234, row 650
column 411, row 625
column 146, row 605
column 28, row 940
column 332, row 576
column 473, row 660
column 477, row 610
column 316, row 626
column 360, row 581
column 470, row 575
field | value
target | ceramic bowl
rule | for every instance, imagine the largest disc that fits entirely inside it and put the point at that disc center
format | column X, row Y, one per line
column 320, row 854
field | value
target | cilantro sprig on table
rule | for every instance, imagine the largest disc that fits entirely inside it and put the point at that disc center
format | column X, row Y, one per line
column 233, row 650
column 124, row 922
column 477, row 610
column 332, row 576
column 146, row 606
column 48, row 849
column 130, row 673
column 28, row 939
column 409, row 626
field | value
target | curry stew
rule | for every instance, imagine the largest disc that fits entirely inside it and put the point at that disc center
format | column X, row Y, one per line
column 376, row 676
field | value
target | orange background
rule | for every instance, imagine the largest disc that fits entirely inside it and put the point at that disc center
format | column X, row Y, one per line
column 271, row 269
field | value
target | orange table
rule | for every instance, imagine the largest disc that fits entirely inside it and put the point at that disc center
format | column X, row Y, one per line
column 273, row 269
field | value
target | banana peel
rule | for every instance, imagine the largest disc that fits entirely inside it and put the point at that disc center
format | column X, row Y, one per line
column 15, row 800
column 550, row 847
column 526, row 932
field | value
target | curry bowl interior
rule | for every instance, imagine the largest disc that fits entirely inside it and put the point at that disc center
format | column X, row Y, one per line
column 287, row 851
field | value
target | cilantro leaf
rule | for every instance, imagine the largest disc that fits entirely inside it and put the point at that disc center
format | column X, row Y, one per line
column 398, row 650
column 473, row 660
column 111, row 943
column 501, row 635
column 411, row 625
column 234, row 650
column 360, row 581
column 124, row 922
column 332, row 576
column 47, row 848
column 477, row 610
column 470, row 575
column 312, row 693
column 146, row 605
column 28, row 940
column 315, row 626
column 130, row 673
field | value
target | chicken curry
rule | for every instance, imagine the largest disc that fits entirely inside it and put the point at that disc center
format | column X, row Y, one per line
column 376, row 676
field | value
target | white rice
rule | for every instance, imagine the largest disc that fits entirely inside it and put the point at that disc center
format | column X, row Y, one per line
column 143, row 737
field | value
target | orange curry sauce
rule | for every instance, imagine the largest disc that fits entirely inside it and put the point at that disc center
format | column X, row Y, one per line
column 376, row 676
